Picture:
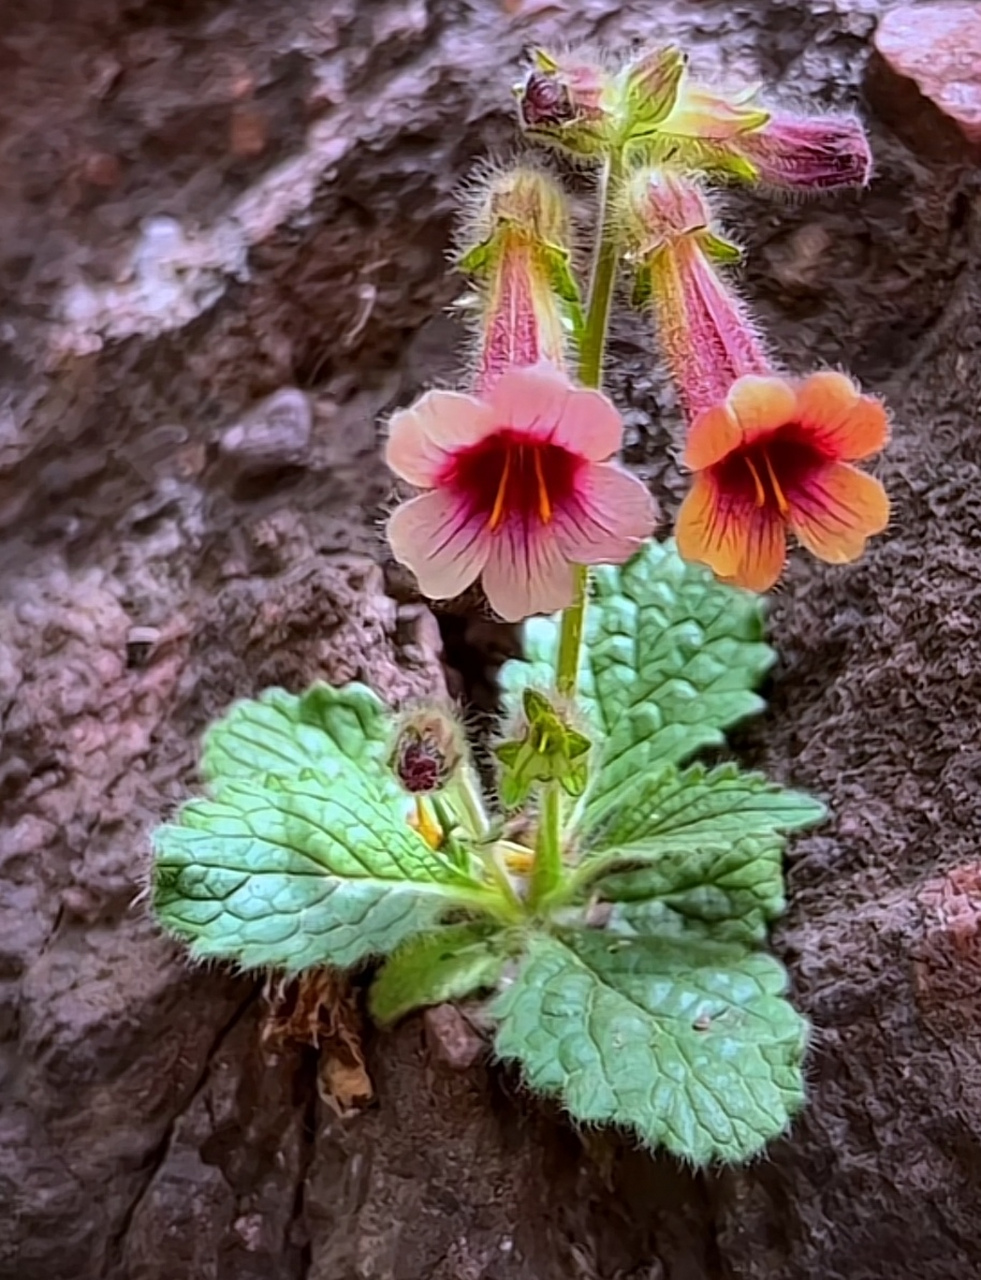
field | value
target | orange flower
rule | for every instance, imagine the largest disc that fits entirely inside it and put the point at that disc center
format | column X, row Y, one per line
column 774, row 457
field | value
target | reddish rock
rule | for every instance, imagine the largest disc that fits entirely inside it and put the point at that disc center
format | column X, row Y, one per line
column 938, row 47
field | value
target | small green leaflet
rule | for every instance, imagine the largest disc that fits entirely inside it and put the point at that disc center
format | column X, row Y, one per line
column 279, row 733
column 688, row 1043
column 671, row 661
column 300, row 871
column 448, row 964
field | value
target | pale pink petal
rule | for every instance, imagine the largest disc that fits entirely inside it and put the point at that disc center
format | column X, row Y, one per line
column 445, row 550
column 526, row 573
column 530, row 398
column 542, row 401
column 589, row 425
column 608, row 519
column 422, row 439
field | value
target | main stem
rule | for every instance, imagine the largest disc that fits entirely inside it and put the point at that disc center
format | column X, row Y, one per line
column 591, row 375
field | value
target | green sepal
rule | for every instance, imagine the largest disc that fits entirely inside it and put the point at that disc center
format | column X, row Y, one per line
column 549, row 750
column 449, row 963
column 689, row 1044
column 720, row 250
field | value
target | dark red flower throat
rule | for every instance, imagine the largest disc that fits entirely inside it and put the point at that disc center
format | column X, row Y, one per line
column 771, row 471
column 513, row 475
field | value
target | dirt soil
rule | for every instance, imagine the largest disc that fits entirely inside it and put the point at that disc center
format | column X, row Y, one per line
column 204, row 203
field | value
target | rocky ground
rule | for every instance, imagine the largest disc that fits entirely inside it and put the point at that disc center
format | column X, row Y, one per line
column 206, row 204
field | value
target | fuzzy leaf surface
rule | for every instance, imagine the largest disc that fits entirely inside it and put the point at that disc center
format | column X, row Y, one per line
column 671, row 660
column 300, row 871
column 725, row 892
column 283, row 734
column 688, row 1043
column 450, row 963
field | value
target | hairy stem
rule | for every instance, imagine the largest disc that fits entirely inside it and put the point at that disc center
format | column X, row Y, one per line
column 591, row 375
column 546, row 873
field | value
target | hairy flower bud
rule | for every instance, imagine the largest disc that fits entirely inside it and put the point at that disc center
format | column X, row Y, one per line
column 730, row 132
column 649, row 90
column 817, row 153
column 520, row 262
column 428, row 750
column 566, row 102
column 707, row 334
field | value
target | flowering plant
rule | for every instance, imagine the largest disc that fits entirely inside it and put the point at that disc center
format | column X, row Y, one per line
column 605, row 908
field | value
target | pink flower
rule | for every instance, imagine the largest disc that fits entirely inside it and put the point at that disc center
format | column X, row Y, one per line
column 520, row 489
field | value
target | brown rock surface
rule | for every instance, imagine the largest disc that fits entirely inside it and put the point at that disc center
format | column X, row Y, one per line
column 204, row 203
column 938, row 47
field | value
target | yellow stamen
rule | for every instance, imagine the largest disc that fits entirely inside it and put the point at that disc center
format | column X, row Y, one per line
column 544, row 505
column 519, row 862
column 497, row 514
column 782, row 502
column 760, row 491
column 426, row 825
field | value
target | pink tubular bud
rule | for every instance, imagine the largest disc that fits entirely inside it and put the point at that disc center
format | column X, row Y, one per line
column 707, row 334
column 816, row 153
column 521, row 265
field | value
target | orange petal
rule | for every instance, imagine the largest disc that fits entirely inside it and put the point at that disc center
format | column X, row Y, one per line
column 837, row 510
column 847, row 424
column 760, row 405
column 743, row 544
column 713, row 435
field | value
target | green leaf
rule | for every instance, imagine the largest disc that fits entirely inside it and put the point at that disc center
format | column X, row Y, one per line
column 447, row 964
column 282, row 734
column 689, row 1044
column 670, row 810
column 301, row 871
column 726, row 892
column 670, row 661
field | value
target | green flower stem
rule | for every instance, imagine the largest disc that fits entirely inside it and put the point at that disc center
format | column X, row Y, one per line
column 603, row 277
column 464, row 792
column 591, row 375
column 506, row 906
column 546, row 873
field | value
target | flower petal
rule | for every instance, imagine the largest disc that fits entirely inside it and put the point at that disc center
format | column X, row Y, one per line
column 589, row 425
column 713, row 435
column 836, row 510
column 846, row 425
column 526, row 573
column 421, row 438
column 530, row 398
column 743, row 544
column 433, row 537
column 611, row 514
column 760, row 405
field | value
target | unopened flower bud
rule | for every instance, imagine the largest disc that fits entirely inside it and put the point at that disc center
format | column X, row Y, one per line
column 815, row 154
column 428, row 750
column 706, row 333
column 661, row 208
column 517, row 250
column 649, row 90
column 565, row 102
column 525, row 200
column 731, row 133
